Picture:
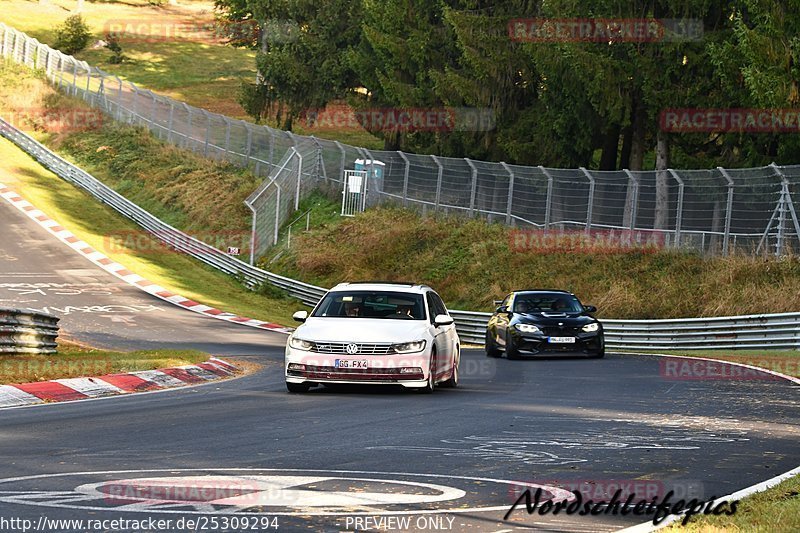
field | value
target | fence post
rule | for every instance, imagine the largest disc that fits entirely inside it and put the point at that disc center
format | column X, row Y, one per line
column 249, row 152
column 590, row 206
column 208, row 132
column 189, row 133
column 277, row 213
column 74, row 78
column 474, row 188
column 634, row 199
column 679, row 212
column 153, row 113
column 227, row 135
column 510, row 200
column 786, row 204
column 88, row 83
column 728, row 210
column 344, row 158
column 549, row 200
column 299, row 179
column 438, row 182
column 405, row 178
column 271, row 147
column 320, row 161
column 135, row 98
column 171, row 118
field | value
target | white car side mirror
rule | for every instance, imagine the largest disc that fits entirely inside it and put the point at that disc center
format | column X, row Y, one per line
column 442, row 320
column 300, row 316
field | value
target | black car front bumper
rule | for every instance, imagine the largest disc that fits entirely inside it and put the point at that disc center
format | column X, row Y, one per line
column 587, row 344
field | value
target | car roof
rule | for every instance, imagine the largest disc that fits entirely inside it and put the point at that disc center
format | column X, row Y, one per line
column 396, row 286
column 535, row 291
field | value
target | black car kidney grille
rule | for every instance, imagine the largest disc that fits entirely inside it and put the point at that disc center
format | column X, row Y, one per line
column 561, row 331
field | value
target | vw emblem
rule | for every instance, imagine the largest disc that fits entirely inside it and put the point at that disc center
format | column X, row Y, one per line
column 352, row 348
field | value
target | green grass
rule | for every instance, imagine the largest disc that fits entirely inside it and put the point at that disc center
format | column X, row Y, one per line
column 73, row 361
column 472, row 263
column 774, row 510
column 177, row 186
column 202, row 73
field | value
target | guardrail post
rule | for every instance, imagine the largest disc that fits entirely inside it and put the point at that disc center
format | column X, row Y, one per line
column 679, row 211
column 474, row 188
column 438, row 182
column 590, row 206
column 549, row 200
column 510, row 191
column 728, row 210
column 405, row 177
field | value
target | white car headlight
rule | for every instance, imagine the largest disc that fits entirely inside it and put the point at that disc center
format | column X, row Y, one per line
column 588, row 328
column 527, row 328
column 300, row 344
column 409, row 347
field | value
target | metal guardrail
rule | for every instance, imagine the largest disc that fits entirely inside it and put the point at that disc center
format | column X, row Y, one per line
column 27, row 332
column 755, row 331
column 768, row 331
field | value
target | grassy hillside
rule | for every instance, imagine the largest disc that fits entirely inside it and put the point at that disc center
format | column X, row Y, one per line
column 471, row 263
column 173, row 54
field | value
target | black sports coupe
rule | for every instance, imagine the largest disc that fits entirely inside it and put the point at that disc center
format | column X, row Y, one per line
column 544, row 322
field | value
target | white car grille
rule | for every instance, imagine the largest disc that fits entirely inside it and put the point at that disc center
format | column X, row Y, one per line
column 363, row 348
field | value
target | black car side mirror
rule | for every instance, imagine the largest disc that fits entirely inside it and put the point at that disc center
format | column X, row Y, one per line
column 590, row 309
column 501, row 309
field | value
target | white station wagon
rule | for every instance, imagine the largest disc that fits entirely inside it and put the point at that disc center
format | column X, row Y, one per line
column 374, row 332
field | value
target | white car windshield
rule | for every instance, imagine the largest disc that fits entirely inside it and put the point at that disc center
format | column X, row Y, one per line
column 371, row 304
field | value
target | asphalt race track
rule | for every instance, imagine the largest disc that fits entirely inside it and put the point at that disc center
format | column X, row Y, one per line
column 322, row 461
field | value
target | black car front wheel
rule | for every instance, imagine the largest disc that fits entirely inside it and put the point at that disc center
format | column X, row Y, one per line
column 492, row 350
column 512, row 352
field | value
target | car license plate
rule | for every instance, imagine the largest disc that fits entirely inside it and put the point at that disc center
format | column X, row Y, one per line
column 350, row 363
column 562, row 340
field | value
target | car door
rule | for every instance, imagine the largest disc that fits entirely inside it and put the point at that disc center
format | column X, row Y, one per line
column 450, row 330
column 440, row 337
column 501, row 320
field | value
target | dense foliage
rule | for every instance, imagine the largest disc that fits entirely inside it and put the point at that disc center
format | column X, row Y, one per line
column 564, row 102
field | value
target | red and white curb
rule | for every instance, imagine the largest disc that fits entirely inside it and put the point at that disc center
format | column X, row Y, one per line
column 118, row 270
column 71, row 389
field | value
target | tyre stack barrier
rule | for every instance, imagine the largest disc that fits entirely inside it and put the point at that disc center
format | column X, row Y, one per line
column 27, row 332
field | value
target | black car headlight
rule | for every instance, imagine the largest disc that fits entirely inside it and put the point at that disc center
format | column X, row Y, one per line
column 589, row 328
column 527, row 328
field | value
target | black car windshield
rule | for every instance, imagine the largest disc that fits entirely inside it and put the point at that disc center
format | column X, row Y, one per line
column 546, row 303
column 371, row 304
